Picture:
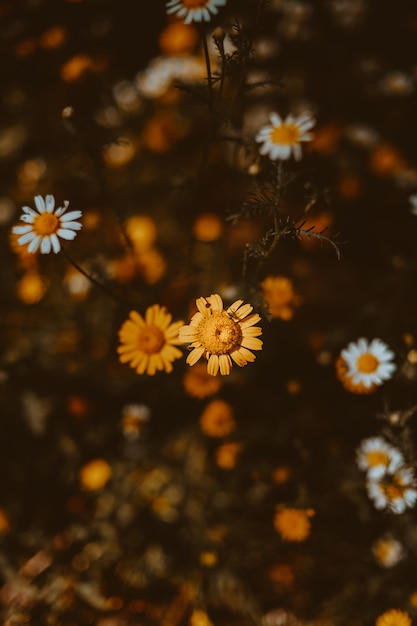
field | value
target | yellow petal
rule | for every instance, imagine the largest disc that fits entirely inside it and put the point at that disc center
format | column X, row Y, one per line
column 142, row 365
column 225, row 364
column 238, row 358
column 250, row 321
column 213, row 365
column 249, row 356
column 136, row 318
column 252, row 331
column 194, row 355
column 244, row 311
column 216, row 302
column 251, row 342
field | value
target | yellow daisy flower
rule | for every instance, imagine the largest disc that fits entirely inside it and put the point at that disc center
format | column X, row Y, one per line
column 149, row 344
column 222, row 336
column 394, row 617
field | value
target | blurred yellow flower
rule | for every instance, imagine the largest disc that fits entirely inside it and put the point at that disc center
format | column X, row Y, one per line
column 148, row 345
column 217, row 419
column 141, row 231
column 278, row 293
column 208, row 227
column 198, row 383
column 31, row 288
column 200, row 618
column 227, row 454
column 95, row 474
column 394, row 617
column 293, row 524
column 178, row 38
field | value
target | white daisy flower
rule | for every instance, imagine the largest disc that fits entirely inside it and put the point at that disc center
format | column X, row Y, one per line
column 375, row 456
column 394, row 491
column 368, row 364
column 194, row 10
column 281, row 138
column 413, row 202
column 45, row 226
column 388, row 551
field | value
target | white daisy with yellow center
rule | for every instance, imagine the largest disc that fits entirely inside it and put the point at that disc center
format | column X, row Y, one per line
column 45, row 226
column 368, row 363
column 281, row 138
column 394, row 490
column 388, row 551
column 194, row 10
column 375, row 456
column 222, row 336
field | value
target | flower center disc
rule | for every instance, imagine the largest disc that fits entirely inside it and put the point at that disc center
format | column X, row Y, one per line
column 377, row 457
column 150, row 340
column 45, row 224
column 393, row 491
column 367, row 363
column 194, row 4
column 220, row 334
column 287, row 134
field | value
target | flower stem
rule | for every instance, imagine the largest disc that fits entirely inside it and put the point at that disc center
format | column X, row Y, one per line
column 209, row 77
column 276, row 208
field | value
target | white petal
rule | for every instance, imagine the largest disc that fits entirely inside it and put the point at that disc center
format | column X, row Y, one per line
column 45, row 245
column 72, row 215
column 29, row 219
column 56, row 246
column 40, row 204
column 72, row 225
column 27, row 237
column 66, row 234
column 34, row 244
column 28, row 210
column 275, row 119
column 20, row 230
column 50, row 203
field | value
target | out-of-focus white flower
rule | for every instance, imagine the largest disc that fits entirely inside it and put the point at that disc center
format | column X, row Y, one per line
column 281, row 138
column 194, row 10
column 388, row 551
column 393, row 491
column 413, row 202
column 163, row 71
column 375, row 456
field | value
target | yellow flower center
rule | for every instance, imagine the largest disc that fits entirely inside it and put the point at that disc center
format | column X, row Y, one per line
column 193, row 4
column 219, row 333
column 377, row 457
column 150, row 340
column 394, row 490
column 367, row 363
column 286, row 134
column 383, row 550
column 45, row 224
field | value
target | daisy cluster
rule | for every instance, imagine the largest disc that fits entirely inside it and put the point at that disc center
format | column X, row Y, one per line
column 390, row 483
